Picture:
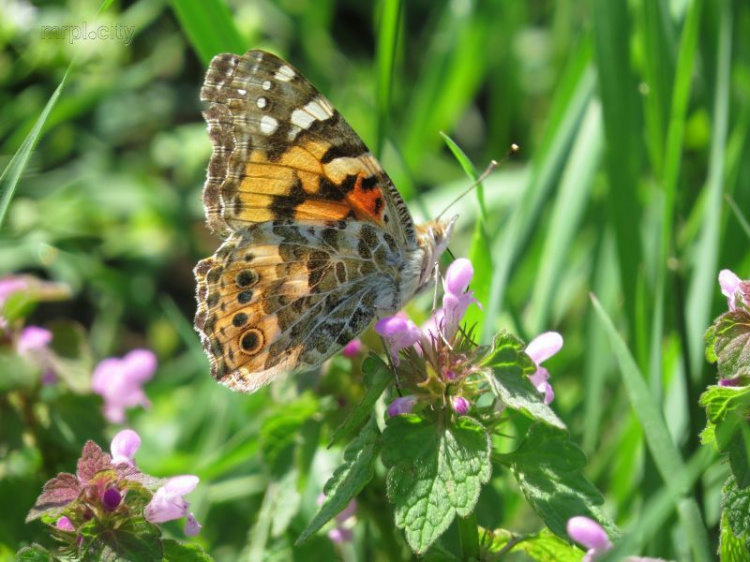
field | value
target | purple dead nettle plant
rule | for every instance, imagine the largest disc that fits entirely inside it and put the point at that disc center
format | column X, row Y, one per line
column 591, row 535
column 108, row 491
column 436, row 362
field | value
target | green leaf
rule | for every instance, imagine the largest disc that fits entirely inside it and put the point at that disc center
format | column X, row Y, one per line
column 511, row 368
column 135, row 540
column 731, row 548
column 435, row 473
column 732, row 346
column 736, row 502
column 710, row 339
column 739, row 454
column 543, row 546
column 349, row 478
column 377, row 377
column 549, row 470
column 34, row 553
column 183, row 552
column 719, row 401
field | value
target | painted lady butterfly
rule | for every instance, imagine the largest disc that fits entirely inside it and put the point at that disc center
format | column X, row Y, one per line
column 317, row 240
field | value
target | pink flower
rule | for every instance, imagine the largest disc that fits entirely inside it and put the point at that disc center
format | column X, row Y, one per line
column 64, row 524
column 399, row 332
column 730, row 285
column 591, row 535
column 460, row 405
column 32, row 343
column 342, row 532
column 167, row 503
column 192, row 527
column 352, row 349
column 402, row 405
column 11, row 284
column 111, row 499
column 33, row 338
column 124, row 446
column 540, row 349
column 120, row 381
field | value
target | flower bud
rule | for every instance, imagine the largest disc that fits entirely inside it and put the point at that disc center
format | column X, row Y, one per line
column 460, row 405
column 111, row 499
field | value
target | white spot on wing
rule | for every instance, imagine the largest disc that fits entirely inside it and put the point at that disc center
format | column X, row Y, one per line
column 261, row 103
column 284, row 73
column 266, row 85
column 302, row 118
column 242, row 92
column 320, row 109
column 268, row 125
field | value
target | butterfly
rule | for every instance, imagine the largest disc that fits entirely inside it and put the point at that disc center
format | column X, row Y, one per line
column 317, row 241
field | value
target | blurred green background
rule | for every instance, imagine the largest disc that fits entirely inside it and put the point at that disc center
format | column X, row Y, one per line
column 632, row 118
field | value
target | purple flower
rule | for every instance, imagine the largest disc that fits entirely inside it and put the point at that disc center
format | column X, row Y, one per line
column 730, row 286
column 111, row 499
column 33, row 338
column 192, row 527
column 352, row 349
column 402, row 405
column 11, row 284
column 64, row 524
column 399, row 332
column 591, row 535
column 123, row 447
column 167, row 503
column 455, row 299
column 540, row 349
column 460, row 405
column 32, row 343
column 119, row 382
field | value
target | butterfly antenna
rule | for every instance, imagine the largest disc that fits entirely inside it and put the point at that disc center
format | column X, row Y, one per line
column 490, row 168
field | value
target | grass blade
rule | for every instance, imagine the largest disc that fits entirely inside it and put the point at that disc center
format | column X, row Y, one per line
column 210, row 27
column 390, row 21
column 663, row 450
column 14, row 169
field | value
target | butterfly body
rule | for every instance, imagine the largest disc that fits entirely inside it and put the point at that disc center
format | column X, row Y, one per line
column 317, row 240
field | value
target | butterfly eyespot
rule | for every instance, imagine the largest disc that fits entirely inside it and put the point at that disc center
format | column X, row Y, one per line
column 245, row 297
column 246, row 278
column 239, row 319
column 251, row 341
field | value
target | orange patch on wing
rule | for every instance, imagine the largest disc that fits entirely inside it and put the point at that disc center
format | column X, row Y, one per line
column 319, row 209
column 367, row 203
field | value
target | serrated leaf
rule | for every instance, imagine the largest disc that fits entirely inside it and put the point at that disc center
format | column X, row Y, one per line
column 56, row 495
column 732, row 345
column 736, row 502
column 34, row 553
column 731, row 548
column 379, row 376
column 543, row 546
column 710, row 339
column 135, row 540
column 549, row 470
column 511, row 368
column 720, row 400
column 92, row 460
column 435, row 473
column 183, row 552
column 349, row 478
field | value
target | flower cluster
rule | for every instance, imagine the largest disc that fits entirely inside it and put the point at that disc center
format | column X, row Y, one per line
column 107, row 490
column 737, row 292
column 440, row 358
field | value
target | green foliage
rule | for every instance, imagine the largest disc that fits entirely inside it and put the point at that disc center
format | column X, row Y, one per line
column 435, row 472
column 543, row 546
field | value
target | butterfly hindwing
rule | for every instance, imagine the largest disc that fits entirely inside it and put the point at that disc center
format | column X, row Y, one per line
column 274, row 298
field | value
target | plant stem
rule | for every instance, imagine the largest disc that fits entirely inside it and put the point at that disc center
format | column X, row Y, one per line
column 467, row 531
